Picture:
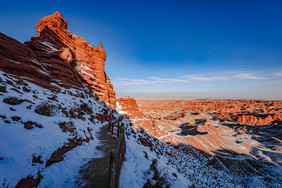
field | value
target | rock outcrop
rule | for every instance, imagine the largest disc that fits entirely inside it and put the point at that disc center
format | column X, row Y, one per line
column 90, row 61
column 253, row 120
column 128, row 107
column 21, row 61
column 57, row 57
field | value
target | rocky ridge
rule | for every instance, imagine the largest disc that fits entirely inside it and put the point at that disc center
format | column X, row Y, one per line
column 59, row 57
column 55, row 97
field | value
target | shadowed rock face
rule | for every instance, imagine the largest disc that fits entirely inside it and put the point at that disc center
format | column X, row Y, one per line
column 18, row 59
column 59, row 57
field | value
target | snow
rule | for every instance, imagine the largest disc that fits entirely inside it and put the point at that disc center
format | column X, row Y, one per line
column 14, row 61
column 136, row 163
column 68, row 169
column 33, row 60
column 193, row 167
column 119, row 109
column 82, row 68
column 18, row 145
column 180, row 167
column 84, row 72
column 51, row 47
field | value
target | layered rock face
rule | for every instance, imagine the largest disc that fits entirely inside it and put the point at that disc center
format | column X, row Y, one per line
column 59, row 57
column 21, row 61
column 90, row 61
column 129, row 108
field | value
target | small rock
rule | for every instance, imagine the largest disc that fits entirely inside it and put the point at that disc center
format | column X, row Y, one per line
column 15, row 118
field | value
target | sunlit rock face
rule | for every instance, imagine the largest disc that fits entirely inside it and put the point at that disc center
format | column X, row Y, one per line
column 87, row 60
column 207, row 125
column 254, row 120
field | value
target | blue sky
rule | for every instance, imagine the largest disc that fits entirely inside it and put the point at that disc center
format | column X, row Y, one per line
column 193, row 48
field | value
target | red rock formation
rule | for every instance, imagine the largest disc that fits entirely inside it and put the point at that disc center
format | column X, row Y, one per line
column 57, row 57
column 21, row 61
column 167, row 119
column 50, row 51
column 90, row 61
column 253, row 120
column 128, row 107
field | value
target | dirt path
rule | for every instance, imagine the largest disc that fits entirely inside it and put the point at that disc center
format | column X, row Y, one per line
column 96, row 172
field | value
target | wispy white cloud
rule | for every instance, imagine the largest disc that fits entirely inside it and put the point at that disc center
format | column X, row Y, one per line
column 200, row 79
column 151, row 81
column 248, row 76
column 122, row 78
column 197, row 78
column 169, row 80
column 277, row 74
column 185, row 79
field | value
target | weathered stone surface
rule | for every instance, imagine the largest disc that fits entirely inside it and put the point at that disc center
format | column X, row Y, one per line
column 253, row 120
column 90, row 61
column 21, row 61
column 57, row 57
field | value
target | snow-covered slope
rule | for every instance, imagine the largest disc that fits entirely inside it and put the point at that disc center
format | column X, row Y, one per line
column 160, row 164
column 45, row 136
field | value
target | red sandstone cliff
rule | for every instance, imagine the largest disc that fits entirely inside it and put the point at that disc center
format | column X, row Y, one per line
column 90, row 60
column 58, row 57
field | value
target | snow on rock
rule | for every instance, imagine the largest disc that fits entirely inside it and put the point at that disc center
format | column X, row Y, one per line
column 47, row 135
column 147, row 166
column 75, row 49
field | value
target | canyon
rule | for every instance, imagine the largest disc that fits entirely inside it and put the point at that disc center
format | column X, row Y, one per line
column 208, row 125
column 240, row 137
column 60, row 122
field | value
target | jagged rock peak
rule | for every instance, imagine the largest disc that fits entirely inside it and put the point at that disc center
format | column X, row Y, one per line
column 58, row 56
column 53, row 21
column 58, row 24
column 90, row 60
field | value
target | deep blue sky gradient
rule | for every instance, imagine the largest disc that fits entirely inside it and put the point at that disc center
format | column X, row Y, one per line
column 239, row 41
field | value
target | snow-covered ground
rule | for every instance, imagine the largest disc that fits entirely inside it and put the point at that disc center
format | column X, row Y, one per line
column 139, row 166
column 184, row 166
column 26, row 135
